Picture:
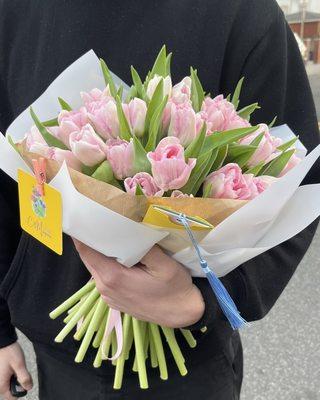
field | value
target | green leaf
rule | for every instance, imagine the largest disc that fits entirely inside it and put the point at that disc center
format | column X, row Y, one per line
column 108, row 78
column 219, row 139
column 141, row 162
column 200, row 172
column 50, row 139
column 132, row 93
column 51, row 122
column 207, row 190
column 256, row 169
column 160, row 65
column 168, row 64
column 256, row 141
column 236, row 94
column 88, row 170
column 246, row 112
column 120, row 92
column 274, row 167
column 125, row 131
column 288, row 144
column 64, row 105
column 155, row 125
column 273, row 122
column 228, row 98
column 236, row 150
column 197, row 92
column 194, row 148
column 137, row 82
column 139, row 191
column 104, row 173
column 244, row 158
column 221, row 156
column 10, row 140
column 154, row 103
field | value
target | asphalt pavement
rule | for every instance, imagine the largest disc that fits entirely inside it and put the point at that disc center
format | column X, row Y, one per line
column 282, row 352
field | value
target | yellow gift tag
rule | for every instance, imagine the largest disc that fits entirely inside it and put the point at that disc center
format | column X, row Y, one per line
column 166, row 217
column 40, row 216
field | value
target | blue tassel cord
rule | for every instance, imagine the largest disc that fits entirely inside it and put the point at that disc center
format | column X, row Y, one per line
column 224, row 299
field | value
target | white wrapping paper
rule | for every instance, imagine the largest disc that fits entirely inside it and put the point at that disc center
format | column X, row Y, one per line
column 273, row 217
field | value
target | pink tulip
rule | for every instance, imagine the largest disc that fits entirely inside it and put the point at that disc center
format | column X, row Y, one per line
column 95, row 95
column 120, row 155
column 220, row 115
column 229, row 183
column 153, row 83
column 104, row 117
column 87, row 146
column 169, row 168
column 183, row 123
column 69, row 121
column 181, row 92
column 60, row 156
column 135, row 112
column 263, row 182
column 35, row 143
column 146, row 182
column 294, row 160
column 266, row 148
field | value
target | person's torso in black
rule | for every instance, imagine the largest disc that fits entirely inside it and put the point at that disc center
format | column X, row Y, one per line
column 39, row 39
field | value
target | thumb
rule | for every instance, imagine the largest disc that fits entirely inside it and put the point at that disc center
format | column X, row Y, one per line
column 23, row 377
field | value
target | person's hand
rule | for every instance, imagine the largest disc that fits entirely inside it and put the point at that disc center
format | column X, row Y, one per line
column 12, row 362
column 158, row 289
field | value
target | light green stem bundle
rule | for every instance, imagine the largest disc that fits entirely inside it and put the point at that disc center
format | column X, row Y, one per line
column 88, row 306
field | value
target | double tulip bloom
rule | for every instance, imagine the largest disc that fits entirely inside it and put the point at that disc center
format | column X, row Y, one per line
column 169, row 168
column 220, row 115
column 230, row 183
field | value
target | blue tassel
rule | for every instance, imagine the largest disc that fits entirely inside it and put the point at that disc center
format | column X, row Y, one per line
column 224, row 299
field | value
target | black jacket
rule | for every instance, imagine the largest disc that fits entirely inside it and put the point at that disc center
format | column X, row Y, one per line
column 224, row 40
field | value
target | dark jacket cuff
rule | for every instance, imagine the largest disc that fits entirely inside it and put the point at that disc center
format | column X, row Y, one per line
column 7, row 334
column 235, row 286
column 7, row 331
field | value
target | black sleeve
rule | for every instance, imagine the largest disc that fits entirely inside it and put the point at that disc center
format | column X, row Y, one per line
column 276, row 78
column 9, row 229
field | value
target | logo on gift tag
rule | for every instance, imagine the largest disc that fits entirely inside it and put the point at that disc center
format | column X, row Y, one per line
column 40, row 211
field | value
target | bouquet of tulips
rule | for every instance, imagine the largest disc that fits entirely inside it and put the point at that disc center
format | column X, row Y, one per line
column 154, row 143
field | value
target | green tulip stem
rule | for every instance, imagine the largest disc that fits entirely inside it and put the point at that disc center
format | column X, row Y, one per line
column 98, row 359
column 91, row 299
column 85, row 323
column 93, row 326
column 153, row 353
column 72, row 300
column 189, row 338
column 156, row 338
column 129, row 342
column 104, row 345
column 143, row 329
column 101, row 330
column 76, row 306
column 122, row 358
column 138, row 341
column 175, row 349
